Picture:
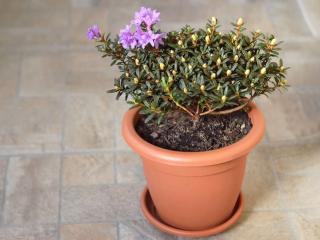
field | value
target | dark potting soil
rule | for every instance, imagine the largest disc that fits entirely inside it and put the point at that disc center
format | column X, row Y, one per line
column 180, row 133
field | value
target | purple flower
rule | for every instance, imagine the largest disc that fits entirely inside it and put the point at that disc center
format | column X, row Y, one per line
column 147, row 16
column 158, row 39
column 144, row 38
column 93, row 32
column 127, row 38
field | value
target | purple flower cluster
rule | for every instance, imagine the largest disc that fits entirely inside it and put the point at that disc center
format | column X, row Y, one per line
column 93, row 32
column 143, row 34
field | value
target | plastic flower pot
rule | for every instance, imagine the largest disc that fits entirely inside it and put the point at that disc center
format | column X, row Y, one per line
column 194, row 192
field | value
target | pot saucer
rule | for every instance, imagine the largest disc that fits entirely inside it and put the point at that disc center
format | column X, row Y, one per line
column 151, row 214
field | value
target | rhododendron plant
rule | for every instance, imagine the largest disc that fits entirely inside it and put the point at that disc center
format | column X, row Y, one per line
column 198, row 71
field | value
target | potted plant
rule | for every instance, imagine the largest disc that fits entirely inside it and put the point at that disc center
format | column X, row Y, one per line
column 193, row 121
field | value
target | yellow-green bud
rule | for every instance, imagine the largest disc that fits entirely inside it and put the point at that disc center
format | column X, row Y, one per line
column 149, row 92
column 263, row 71
column 218, row 61
column 236, row 58
column 247, row 72
column 252, row 84
column 204, row 65
column 258, row 31
column 228, row 73
column 127, row 74
column 174, row 72
column 190, row 67
column 183, row 59
column 171, row 52
column 161, row 65
column 170, row 79
column 145, row 67
column 273, row 42
column 218, row 88
column 202, row 88
column 223, row 99
column 234, row 38
column 137, row 62
column 207, row 39
column 136, row 80
column 283, row 82
column 213, row 76
column 240, row 22
column 116, row 87
column 209, row 30
column 282, row 68
column 180, row 43
column 238, row 47
column 252, row 59
column 157, row 81
column 194, row 37
column 249, row 53
column 185, row 90
column 213, row 21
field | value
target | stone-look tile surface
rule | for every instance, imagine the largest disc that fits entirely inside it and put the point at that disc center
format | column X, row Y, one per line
column 260, row 225
column 100, row 203
column 30, row 125
column 88, row 169
column 43, row 75
column 260, row 188
column 32, row 192
column 46, row 232
column 129, row 168
column 89, row 123
column 308, row 223
column 99, row 231
column 10, row 73
column 141, row 229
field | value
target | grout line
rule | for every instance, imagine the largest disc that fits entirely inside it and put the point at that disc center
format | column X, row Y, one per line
column 306, row 18
column 4, row 194
column 118, row 230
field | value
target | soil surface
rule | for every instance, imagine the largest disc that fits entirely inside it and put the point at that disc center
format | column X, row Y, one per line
column 179, row 132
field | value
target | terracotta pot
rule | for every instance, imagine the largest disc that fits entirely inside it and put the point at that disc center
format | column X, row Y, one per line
column 194, row 190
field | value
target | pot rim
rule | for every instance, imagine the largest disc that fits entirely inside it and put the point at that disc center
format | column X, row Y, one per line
column 179, row 158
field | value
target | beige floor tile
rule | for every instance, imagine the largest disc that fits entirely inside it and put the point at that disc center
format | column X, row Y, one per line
column 303, row 73
column 48, row 232
column 306, row 50
column 10, row 72
column 89, row 169
column 87, row 61
column 260, row 187
column 140, row 229
column 30, row 125
column 89, row 123
column 99, row 231
column 43, row 75
column 311, row 8
column 29, row 173
column 260, row 225
column 100, row 203
column 34, row 206
column 308, row 223
column 129, row 168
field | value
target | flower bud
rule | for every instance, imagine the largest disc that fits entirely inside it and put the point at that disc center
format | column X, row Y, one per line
column 282, row 68
column 174, row 72
column 161, row 65
column 283, row 82
column 136, row 80
column 116, row 87
column 251, row 84
column 183, row 59
column 218, row 61
column 218, row 88
column 238, row 47
column 258, row 31
column 240, row 22
column 185, row 90
column 180, row 43
column 273, row 42
column 194, row 37
column 157, row 81
column 190, row 67
column 149, row 93
column 228, row 73
column 127, row 74
column 213, row 76
column 209, row 30
column 234, row 38
column 137, row 62
column 171, row 52
column 223, row 99
column 252, row 59
column 204, row 65
column 207, row 39
column 263, row 71
column 202, row 88
column 170, row 79
column 247, row 72
column 249, row 53
column 236, row 58
column 214, row 21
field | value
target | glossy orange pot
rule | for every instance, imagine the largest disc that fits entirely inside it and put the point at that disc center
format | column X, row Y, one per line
column 194, row 190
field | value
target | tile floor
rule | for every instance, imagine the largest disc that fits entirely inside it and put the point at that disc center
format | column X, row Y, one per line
column 66, row 173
